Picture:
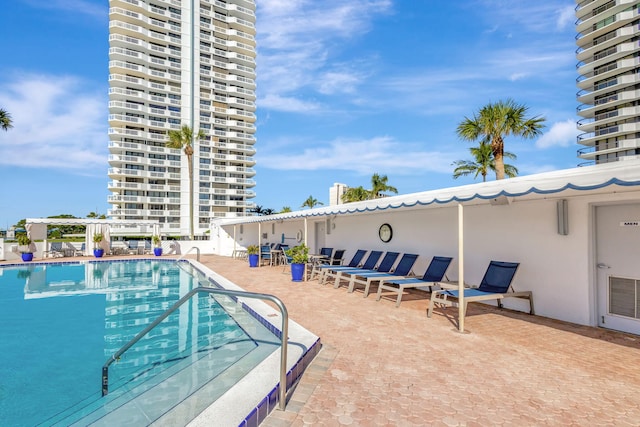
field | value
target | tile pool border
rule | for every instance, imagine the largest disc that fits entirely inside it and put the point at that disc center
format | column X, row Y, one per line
column 260, row 412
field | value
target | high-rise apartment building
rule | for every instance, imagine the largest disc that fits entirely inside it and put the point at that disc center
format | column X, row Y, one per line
column 609, row 79
column 175, row 63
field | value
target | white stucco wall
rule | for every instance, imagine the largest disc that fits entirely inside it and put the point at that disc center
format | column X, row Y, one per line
column 558, row 269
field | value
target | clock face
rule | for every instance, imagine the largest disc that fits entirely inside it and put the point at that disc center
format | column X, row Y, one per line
column 385, row 232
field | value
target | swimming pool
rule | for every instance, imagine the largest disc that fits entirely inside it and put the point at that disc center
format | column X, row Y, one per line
column 61, row 321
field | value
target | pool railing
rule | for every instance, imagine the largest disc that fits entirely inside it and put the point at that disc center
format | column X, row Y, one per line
column 284, row 334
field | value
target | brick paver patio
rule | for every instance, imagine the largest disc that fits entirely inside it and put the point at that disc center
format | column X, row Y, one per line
column 382, row 365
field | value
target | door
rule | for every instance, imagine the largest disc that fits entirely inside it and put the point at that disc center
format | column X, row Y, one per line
column 618, row 267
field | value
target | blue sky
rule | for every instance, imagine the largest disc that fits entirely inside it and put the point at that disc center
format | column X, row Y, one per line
column 345, row 90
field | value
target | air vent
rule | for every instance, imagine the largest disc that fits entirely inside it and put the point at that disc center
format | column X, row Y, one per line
column 624, row 297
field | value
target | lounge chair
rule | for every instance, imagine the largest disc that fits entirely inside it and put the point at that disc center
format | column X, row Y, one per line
column 336, row 259
column 495, row 285
column 434, row 274
column 336, row 271
column 384, row 267
column 355, row 262
column 326, row 252
column 402, row 270
column 55, row 250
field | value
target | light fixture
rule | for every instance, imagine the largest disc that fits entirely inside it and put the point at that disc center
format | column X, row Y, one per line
column 562, row 208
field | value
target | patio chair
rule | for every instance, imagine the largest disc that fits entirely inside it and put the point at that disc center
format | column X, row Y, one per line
column 284, row 258
column 55, row 250
column 265, row 254
column 434, row 274
column 369, row 265
column 402, row 270
column 147, row 247
column 495, row 285
column 132, row 247
column 355, row 262
column 336, row 259
column 80, row 252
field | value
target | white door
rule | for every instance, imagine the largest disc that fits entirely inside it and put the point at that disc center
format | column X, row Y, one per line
column 618, row 267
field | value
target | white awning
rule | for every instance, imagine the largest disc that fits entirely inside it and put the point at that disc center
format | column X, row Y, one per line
column 617, row 176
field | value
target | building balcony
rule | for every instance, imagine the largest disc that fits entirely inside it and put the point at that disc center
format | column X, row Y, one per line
column 592, row 152
column 613, row 53
column 613, row 85
column 597, row 26
column 114, row 186
column 614, row 131
column 588, row 50
column 622, row 97
column 620, row 115
column 619, row 67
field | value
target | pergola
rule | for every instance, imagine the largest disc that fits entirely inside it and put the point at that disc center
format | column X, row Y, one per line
column 37, row 228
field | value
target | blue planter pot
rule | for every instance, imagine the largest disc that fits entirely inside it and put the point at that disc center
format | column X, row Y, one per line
column 297, row 272
column 157, row 251
column 253, row 260
column 26, row 257
column 98, row 253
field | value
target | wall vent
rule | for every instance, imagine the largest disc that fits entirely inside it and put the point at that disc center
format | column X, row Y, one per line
column 624, row 297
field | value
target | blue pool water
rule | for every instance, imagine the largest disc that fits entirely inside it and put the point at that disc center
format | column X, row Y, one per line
column 61, row 322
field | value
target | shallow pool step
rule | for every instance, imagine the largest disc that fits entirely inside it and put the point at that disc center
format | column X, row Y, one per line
column 182, row 392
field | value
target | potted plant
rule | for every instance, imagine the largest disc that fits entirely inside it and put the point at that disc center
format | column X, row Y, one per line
column 252, row 251
column 157, row 242
column 299, row 257
column 97, row 250
column 24, row 242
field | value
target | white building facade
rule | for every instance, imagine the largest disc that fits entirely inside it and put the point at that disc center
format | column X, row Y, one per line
column 608, row 79
column 174, row 63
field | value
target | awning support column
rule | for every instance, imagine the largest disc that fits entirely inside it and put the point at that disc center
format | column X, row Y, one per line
column 460, row 268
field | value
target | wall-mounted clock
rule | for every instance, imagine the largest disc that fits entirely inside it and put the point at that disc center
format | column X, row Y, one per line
column 385, row 232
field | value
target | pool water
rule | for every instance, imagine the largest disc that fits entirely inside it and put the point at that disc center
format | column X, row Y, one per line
column 61, row 322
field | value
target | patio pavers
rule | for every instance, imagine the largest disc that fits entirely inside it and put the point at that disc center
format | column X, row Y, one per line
column 382, row 365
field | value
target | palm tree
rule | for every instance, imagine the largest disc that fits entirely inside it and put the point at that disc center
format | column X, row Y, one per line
column 355, row 194
column 5, row 120
column 258, row 210
column 482, row 162
column 311, row 203
column 494, row 122
column 183, row 139
column 379, row 186
column 268, row 211
column 285, row 209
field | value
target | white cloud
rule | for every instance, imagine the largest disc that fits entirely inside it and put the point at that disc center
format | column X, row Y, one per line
column 361, row 156
column 57, row 123
column 289, row 104
column 517, row 76
column 297, row 40
column 561, row 134
column 566, row 17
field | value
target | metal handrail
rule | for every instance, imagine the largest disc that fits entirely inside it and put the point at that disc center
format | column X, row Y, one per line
column 192, row 247
column 174, row 307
